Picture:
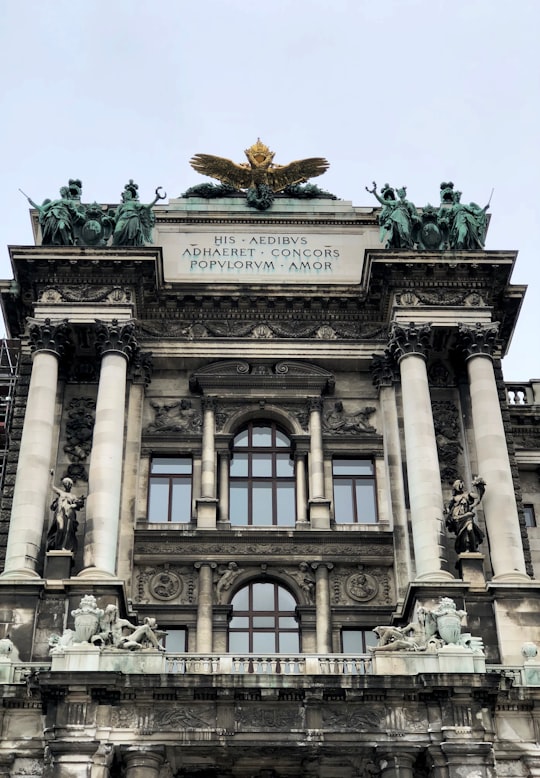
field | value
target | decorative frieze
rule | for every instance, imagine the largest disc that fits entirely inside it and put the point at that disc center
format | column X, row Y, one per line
column 177, row 416
column 337, row 421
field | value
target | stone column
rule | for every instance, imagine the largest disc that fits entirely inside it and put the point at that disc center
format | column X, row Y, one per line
column 207, row 503
column 204, row 644
column 396, row 763
column 384, row 379
column 33, row 482
column 499, row 501
column 319, row 506
column 116, row 343
column 141, row 762
column 300, row 483
column 478, row 756
column 224, row 464
column 72, row 759
column 408, row 345
column 322, row 605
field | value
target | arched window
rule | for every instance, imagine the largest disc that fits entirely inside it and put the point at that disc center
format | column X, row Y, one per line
column 262, row 477
column 263, row 620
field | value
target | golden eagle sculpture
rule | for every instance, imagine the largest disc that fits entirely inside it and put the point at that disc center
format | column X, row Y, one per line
column 259, row 176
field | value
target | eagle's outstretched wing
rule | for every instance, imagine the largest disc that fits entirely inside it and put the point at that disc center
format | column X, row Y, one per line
column 296, row 172
column 225, row 170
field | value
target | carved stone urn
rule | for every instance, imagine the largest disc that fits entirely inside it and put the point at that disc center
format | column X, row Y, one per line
column 449, row 627
column 86, row 617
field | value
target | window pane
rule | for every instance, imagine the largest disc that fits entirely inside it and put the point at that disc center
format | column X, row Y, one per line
column 181, row 500
column 286, row 601
column 282, row 440
column 353, row 467
column 284, row 465
column 240, row 600
column 158, row 500
column 171, row 465
column 239, row 503
column 263, row 597
column 530, row 518
column 239, row 622
column 262, row 436
column 175, row 640
column 264, row 621
column 262, row 505
column 241, row 439
column 261, row 465
column 264, row 643
column 239, row 642
column 288, row 643
column 365, row 501
column 239, row 465
column 286, row 506
column 287, row 622
column 343, row 507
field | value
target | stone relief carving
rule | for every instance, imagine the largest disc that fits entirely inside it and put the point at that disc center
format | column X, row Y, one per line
column 227, row 410
column 225, row 328
column 447, row 436
column 304, row 578
column 165, row 583
column 85, row 293
column 248, row 718
column 81, row 413
column 358, row 717
column 226, row 576
column 433, row 629
column 178, row 416
column 335, row 420
column 359, row 584
column 417, row 297
column 313, row 550
column 183, row 717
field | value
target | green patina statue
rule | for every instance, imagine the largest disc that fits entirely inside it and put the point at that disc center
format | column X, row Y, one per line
column 453, row 225
column 398, row 219
column 59, row 218
column 134, row 220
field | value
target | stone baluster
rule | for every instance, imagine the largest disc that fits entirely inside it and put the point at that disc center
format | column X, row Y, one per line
column 207, row 502
column 116, row 344
column 33, row 481
column 408, row 345
column 204, row 643
column 499, row 502
column 319, row 506
column 384, row 379
column 322, row 607
column 141, row 762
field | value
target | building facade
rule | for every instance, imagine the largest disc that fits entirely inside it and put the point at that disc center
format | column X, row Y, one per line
column 236, row 444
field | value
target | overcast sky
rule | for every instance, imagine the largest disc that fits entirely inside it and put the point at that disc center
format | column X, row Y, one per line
column 412, row 92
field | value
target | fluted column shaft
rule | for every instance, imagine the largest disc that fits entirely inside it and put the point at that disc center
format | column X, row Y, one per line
column 204, row 607
column 117, row 343
column 408, row 345
column 33, row 480
column 322, row 606
column 499, row 501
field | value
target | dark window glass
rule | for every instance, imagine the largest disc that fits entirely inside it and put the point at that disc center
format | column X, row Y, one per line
column 263, row 621
column 357, row 641
column 175, row 641
column 355, row 500
column 530, row 517
column 169, row 491
column 262, row 485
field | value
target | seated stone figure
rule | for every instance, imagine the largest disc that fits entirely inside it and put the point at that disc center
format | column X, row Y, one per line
column 112, row 632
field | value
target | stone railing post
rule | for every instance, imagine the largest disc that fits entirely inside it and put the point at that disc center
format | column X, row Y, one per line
column 33, row 481
column 408, row 345
column 116, row 344
column 319, row 506
column 499, row 501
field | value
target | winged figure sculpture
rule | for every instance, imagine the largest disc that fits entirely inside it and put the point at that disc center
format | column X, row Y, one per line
column 260, row 169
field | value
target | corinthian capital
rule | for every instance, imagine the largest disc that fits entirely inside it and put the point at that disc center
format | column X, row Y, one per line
column 478, row 338
column 383, row 369
column 49, row 336
column 116, row 336
column 409, row 339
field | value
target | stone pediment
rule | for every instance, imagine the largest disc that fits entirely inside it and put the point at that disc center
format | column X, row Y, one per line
column 245, row 376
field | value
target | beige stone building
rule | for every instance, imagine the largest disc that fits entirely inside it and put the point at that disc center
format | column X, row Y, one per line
column 266, row 413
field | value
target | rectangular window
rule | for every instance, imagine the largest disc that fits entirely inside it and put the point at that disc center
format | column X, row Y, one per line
column 357, row 641
column 530, row 517
column 175, row 641
column 169, row 491
column 355, row 500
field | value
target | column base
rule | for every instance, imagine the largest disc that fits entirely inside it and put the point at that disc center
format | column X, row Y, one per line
column 513, row 577
column 19, row 573
column 58, row 564
column 97, row 574
column 471, row 568
column 436, row 575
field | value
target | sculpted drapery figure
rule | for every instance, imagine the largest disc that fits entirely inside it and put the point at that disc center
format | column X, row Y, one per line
column 466, row 224
column 134, row 220
column 58, row 218
column 62, row 534
column 121, row 633
column 460, row 515
column 398, row 219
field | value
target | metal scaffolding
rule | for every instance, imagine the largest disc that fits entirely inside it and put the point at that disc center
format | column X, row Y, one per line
column 9, row 361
